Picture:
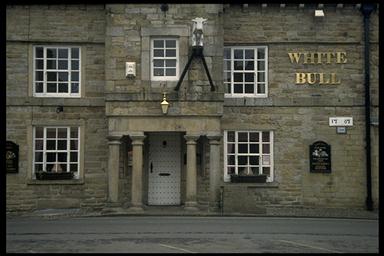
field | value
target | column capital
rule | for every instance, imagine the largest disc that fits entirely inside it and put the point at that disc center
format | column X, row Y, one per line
column 137, row 137
column 214, row 138
column 114, row 139
column 191, row 137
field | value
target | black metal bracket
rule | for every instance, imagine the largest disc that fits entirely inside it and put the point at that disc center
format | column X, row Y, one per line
column 197, row 52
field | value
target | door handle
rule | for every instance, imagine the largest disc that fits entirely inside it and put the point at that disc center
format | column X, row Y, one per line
column 151, row 167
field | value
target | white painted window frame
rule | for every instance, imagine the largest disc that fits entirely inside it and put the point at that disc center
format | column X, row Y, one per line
column 45, row 151
column 270, row 178
column 241, row 95
column 152, row 58
column 45, row 71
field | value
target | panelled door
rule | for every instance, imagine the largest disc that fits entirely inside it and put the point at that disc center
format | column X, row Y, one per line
column 164, row 169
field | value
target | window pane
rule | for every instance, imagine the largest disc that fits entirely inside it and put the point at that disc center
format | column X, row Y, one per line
column 238, row 77
column 63, row 76
column 243, row 137
column 238, row 88
column 51, row 157
column 62, row 157
column 51, row 53
column 230, row 148
column 38, row 156
column 249, row 65
column 227, row 65
column 267, row 171
column 63, row 64
column 74, row 132
column 231, row 170
column 51, row 144
column 51, row 64
column 39, row 132
column 158, row 43
column 249, row 54
column 39, row 52
column 261, row 53
column 75, row 53
column 249, row 77
column 238, row 65
column 266, row 148
column 249, row 88
column 254, row 160
column 260, row 77
column 38, row 167
column 266, row 160
column 75, row 65
column 62, row 132
column 260, row 88
column 39, row 144
column 170, row 43
column 74, row 88
column 73, row 157
column 63, row 53
column 254, row 137
column 62, row 168
column 49, row 167
column 265, row 136
column 51, row 87
column 52, row 76
column 231, row 136
column 158, row 72
column 39, row 87
column 170, row 63
column 170, row 53
column 231, row 160
column 260, row 65
column 73, row 167
column 74, row 145
column 254, row 148
column 62, row 145
column 170, row 72
column 51, row 132
column 242, row 148
column 158, row 63
column 63, row 88
column 158, row 53
column 238, row 54
column 229, row 87
column 75, row 76
column 255, row 170
column 242, row 160
column 39, row 76
column 39, row 64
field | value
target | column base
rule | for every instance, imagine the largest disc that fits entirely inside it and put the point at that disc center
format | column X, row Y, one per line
column 136, row 208
column 191, row 206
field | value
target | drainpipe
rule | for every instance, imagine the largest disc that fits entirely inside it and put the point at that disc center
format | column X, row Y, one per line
column 366, row 9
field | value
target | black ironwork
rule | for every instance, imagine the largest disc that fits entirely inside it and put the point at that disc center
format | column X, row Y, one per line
column 197, row 52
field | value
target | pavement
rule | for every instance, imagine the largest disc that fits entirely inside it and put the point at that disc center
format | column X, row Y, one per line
column 180, row 211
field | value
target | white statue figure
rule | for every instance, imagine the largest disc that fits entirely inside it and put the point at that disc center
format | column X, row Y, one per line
column 197, row 35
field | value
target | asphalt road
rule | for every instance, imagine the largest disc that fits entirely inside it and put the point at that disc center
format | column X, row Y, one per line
column 192, row 235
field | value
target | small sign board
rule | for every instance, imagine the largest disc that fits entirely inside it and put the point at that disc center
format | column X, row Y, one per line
column 12, row 157
column 320, row 157
column 340, row 121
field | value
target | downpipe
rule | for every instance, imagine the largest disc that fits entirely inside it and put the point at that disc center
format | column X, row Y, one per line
column 366, row 10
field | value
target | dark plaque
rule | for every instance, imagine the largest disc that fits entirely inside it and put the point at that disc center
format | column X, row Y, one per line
column 12, row 157
column 320, row 157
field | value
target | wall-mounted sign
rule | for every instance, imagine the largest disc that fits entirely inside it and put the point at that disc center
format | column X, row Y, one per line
column 320, row 157
column 340, row 121
column 317, row 58
column 12, row 157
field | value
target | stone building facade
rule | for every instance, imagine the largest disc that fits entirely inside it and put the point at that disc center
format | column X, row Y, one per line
column 279, row 74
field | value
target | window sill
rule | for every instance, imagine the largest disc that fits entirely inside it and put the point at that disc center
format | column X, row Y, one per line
column 56, row 182
column 273, row 184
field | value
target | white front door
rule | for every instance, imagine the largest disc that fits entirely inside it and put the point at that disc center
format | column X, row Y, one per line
column 164, row 169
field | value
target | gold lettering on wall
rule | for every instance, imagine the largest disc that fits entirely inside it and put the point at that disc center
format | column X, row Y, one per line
column 317, row 58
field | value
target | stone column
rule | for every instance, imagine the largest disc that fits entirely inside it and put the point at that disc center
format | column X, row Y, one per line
column 191, row 198
column 137, row 171
column 214, row 170
column 113, row 168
